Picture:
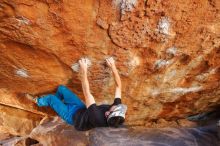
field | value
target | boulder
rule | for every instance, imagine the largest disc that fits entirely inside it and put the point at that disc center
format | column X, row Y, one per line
column 58, row 133
column 154, row 137
column 17, row 122
column 167, row 53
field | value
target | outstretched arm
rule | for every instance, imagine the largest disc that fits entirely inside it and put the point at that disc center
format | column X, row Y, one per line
column 111, row 63
column 85, row 83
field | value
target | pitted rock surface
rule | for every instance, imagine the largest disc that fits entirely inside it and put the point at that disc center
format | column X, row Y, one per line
column 167, row 53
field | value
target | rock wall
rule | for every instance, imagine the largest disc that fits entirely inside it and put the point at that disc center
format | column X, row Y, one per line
column 167, row 52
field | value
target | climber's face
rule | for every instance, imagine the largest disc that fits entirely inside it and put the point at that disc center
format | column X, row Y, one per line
column 107, row 113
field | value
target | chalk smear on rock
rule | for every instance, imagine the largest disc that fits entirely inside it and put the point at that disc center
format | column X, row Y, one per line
column 185, row 90
column 125, row 5
column 160, row 63
column 23, row 20
column 75, row 67
column 22, row 73
column 171, row 50
column 164, row 25
column 177, row 90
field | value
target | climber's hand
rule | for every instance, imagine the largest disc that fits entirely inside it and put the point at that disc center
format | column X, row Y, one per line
column 111, row 63
column 83, row 64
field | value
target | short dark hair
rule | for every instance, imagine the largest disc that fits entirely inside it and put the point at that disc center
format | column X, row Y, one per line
column 115, row 121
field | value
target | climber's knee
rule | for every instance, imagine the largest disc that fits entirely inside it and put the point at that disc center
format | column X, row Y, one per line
column 61, row 88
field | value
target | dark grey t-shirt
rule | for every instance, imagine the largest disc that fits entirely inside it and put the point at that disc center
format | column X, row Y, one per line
column 93, row 116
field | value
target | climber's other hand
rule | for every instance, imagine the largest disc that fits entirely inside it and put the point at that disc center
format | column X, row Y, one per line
column 83, row 64
column 111, row 63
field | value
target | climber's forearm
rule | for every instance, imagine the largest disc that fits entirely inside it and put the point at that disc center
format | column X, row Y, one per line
column 117, row 78
column 118, row 83
column 86, row 91
column 111, row 63
column 118, row 92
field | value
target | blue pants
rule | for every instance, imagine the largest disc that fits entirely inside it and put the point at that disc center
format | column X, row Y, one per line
column 66, row 109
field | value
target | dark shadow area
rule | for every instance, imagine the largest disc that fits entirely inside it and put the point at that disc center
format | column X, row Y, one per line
column 29, row 141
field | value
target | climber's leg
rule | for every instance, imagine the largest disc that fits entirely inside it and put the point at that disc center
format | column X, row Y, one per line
column 69, row 97
column 64, row 111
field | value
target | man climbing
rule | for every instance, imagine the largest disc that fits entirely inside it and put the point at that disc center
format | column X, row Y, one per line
column 75, row 112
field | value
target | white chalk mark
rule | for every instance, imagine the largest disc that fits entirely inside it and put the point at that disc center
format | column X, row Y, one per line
column 178, row 90
column 22, row 72
column 164, row 25
column 75, row 66
column 185, row 90
column 155, row 92
column 134, row 62
column 160, row 63
column 22, row 20
column 204, row 76
column 125, row 5
column 172, row 50
column 213, row 71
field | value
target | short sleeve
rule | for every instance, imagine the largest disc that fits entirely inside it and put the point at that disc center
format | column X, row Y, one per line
column 117, row 101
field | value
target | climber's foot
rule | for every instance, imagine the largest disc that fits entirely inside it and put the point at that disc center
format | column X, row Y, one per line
column 31, row 97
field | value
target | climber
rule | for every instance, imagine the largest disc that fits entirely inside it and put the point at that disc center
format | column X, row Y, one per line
column 89, row 115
